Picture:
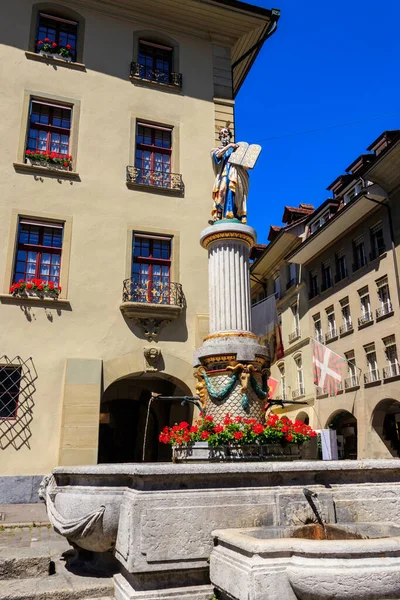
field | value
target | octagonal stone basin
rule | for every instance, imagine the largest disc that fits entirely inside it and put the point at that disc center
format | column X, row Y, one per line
column 356, row 562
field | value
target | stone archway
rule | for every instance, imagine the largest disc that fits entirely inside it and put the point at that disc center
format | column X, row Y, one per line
column 385, row 421
column 345, row 425
column 303, row 417
column 132, row 415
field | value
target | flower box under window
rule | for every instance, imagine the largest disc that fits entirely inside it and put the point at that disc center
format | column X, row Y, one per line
column 56, row 37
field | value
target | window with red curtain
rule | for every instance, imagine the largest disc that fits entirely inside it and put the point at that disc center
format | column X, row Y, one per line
column 49, row 128
column 62, row 32
column 151, row 267
column 38, row 251
column 155, row 61
column 153, row 154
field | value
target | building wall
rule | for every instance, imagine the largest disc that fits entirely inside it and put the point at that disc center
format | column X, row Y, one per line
column 102, row 213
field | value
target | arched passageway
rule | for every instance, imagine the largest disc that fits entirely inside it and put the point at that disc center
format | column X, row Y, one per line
column 303, row 417
column 131, row 417
column 345, row 425
column 386, row 422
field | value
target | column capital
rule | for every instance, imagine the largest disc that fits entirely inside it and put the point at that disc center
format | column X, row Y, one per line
column 228, row 229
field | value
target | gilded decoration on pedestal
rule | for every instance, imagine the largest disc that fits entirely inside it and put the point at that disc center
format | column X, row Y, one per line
column 201, row 388
column 223, row 334
column 228, row 235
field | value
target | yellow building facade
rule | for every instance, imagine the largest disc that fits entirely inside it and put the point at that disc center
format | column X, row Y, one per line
column 109, row 114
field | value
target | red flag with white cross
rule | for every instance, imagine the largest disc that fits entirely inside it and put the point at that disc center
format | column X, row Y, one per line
column 328, row 368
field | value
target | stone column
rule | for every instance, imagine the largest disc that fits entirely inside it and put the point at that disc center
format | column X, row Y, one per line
column 230, row 350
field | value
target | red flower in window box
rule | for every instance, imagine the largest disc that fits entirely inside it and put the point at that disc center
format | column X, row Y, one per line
column 49, row 159
column 46, row 39
column 37, row 287
column 54, row 45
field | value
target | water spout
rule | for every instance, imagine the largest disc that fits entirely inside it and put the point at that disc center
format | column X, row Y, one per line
column 309, row 495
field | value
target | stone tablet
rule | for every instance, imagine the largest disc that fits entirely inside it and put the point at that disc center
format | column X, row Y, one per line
column 245, row 156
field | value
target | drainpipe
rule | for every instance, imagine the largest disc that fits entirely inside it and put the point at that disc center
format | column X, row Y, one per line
column 393, row 246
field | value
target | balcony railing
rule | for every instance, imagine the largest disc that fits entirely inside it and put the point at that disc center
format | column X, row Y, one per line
column 319, row 336
column 365, row 319
column 372, row 376
column 351, row 382
column 143, row 73
column 346, row 328
column 291, row 283
column 155, row 179
column 359, row 263
column 392, row 370
column 331, row 335
column 385, row 309
column 294, row 335
column 153, row 292
column 376, row 252
column 298, row 393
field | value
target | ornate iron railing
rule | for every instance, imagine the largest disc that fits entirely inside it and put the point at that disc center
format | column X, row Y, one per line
column 142, row 72
column 351, row 382
column 346, row 327
column 392, row 370
column 385, row 309
column 331, row 334
column 372, row 376
column 157, row 179
column 294, row 335
column 153, row 292
column 365, row 319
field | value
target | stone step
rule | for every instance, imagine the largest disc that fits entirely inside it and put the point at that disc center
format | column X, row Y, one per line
column 17, row 563
column 61, row 586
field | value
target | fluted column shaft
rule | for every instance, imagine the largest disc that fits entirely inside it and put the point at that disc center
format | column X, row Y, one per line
column 229, row 286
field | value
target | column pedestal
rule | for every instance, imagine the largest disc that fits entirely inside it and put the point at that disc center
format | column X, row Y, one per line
column 232, row 365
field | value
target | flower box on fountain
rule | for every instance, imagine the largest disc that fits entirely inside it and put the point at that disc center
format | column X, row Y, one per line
column 237, row 438
column 39, row 288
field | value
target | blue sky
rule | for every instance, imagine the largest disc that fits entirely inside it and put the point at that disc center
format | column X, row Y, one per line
column 328, row 63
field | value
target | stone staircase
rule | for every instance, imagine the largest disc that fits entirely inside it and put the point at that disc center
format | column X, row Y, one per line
column 40, row 574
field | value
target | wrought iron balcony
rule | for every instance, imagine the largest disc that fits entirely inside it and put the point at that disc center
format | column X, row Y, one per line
column 298, row 393
column 138, row 176
column 351, row 382
column 291, row 283
column 385, row 310
column 365, row 319
column 372, row 376
column 346, row 328
column 331, row 335
column 376, row 252
column 294, row 335
column 143, row 73
column 392, row 370
column 153, row 292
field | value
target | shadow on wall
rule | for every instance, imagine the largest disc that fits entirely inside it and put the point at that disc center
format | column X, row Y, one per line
column 17, row 387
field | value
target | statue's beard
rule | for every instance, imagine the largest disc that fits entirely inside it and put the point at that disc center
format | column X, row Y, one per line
column 225, row 140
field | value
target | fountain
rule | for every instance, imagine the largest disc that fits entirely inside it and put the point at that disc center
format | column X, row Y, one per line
column 303, row 530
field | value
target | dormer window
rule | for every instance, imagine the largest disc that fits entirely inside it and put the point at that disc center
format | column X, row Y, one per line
column 320, row 221
column 56, row 36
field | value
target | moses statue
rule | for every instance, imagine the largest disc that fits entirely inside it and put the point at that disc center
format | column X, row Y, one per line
column 231, row 162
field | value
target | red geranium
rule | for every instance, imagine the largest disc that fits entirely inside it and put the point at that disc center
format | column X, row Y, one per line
column 218, row 429
column 54, row 45
column 238, row 435
column 205, row 435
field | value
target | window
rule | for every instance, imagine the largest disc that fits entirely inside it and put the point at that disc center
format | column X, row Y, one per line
column 49, row 130
column 319, row 222
column 296, row 323
column 332, row 333
column 359, row 253
column 155, row 62
column 283, row 381
column 345, row 308
column 292, row 275
column 352, row 379
column 348, row 197
column 10, row 377
column 39, row 249
column 326, row 276
column 366, row 314
column 372, row 366
column 377, row 241
column 313, row 284
column 318, row 328
column 153, row 155
column 56, row 30
column 300, row 377
column 277, row 286
column 341, row 267
column 151, row 267
column 385, row 307
column 391, row 356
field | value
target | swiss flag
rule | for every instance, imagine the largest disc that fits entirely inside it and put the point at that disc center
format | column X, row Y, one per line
column 328, row 368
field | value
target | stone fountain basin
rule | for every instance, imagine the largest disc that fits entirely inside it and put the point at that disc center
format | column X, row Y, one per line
column 268, row 562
